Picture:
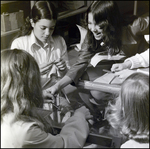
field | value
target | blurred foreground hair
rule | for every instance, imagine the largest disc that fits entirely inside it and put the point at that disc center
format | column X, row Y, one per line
column 130, row 111
column 20, row 83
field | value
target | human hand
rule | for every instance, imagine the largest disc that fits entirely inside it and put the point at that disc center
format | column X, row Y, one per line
column 53, row 89
column 118, row 67
column 123, row 74
column 44, row 68
column 48, row 95
column 121, row 66
column 83, row 111
column 61, row 64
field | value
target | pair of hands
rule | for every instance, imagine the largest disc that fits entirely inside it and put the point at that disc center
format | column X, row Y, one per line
column 80, row 112
column 60, row 64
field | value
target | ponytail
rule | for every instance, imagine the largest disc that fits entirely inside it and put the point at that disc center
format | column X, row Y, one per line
column 26, row 28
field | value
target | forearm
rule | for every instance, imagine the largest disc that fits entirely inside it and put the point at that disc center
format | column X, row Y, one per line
column 63, row 82
column 77, row 69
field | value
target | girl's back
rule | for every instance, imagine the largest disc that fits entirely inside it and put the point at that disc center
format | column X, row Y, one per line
column 16, row 132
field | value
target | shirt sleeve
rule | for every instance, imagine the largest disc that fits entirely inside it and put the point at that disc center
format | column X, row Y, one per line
column 139, row 60
column 75, row 132
column 85, row 54
column 38, row 138
column 72, row 135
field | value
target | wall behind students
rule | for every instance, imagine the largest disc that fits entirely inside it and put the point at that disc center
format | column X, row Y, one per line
column 68, row 30
column 127, row 7
column 15, row 6
column 11, row 7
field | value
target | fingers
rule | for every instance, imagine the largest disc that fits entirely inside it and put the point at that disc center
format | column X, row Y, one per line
column 88, row 114
column 50, row 91
column 62, row 67
column 44, row 71
column 48, row 95
column 60, row 64
column 85, row 111
column 53, row 89
column 114, row 67
column 44, row 68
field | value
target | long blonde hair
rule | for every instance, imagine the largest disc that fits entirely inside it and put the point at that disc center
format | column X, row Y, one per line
column 20, row 83
column 130, row 113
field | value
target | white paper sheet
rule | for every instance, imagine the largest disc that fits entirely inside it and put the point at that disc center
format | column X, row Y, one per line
column 97, row 58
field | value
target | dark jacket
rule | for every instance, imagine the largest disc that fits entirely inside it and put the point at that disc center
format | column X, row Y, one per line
column 133, row 42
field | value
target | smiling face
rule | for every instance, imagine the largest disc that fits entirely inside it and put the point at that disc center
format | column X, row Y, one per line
column 96, row 29
column 43, row 29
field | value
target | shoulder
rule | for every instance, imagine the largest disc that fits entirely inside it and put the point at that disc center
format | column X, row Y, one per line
column 141, row 22
column 20, row 41
column 23, row 42
column 12, row 131
column 140, row 26
column 58, row 38
column 59, row 41
column 142, row 19
column 31, row 131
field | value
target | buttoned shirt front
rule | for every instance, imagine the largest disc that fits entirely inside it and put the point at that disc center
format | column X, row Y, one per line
column 54, row 49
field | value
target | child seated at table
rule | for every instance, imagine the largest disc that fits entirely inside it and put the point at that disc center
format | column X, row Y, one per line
column 130, row 111
column 24, row 123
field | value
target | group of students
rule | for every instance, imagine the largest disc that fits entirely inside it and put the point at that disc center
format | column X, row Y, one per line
column 39, row 53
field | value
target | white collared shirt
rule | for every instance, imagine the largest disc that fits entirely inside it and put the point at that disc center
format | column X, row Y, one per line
column 54, row 49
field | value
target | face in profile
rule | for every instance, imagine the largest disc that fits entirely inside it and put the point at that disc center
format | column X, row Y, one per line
column 43, row 29
column 96, row 29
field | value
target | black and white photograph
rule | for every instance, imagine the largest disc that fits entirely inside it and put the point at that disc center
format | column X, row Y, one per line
column 74, row 74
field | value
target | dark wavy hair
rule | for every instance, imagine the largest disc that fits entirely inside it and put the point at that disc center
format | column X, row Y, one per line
column 106, row 14
column 130, row 111
column 40, row 10
column 20, row 83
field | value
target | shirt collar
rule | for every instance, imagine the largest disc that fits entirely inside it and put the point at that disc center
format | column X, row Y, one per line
column 34, row 40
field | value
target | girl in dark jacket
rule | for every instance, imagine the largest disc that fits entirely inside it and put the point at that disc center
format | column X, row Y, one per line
column 105, row 33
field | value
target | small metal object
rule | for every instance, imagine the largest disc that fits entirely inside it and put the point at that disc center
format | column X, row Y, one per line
column 58, row 107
